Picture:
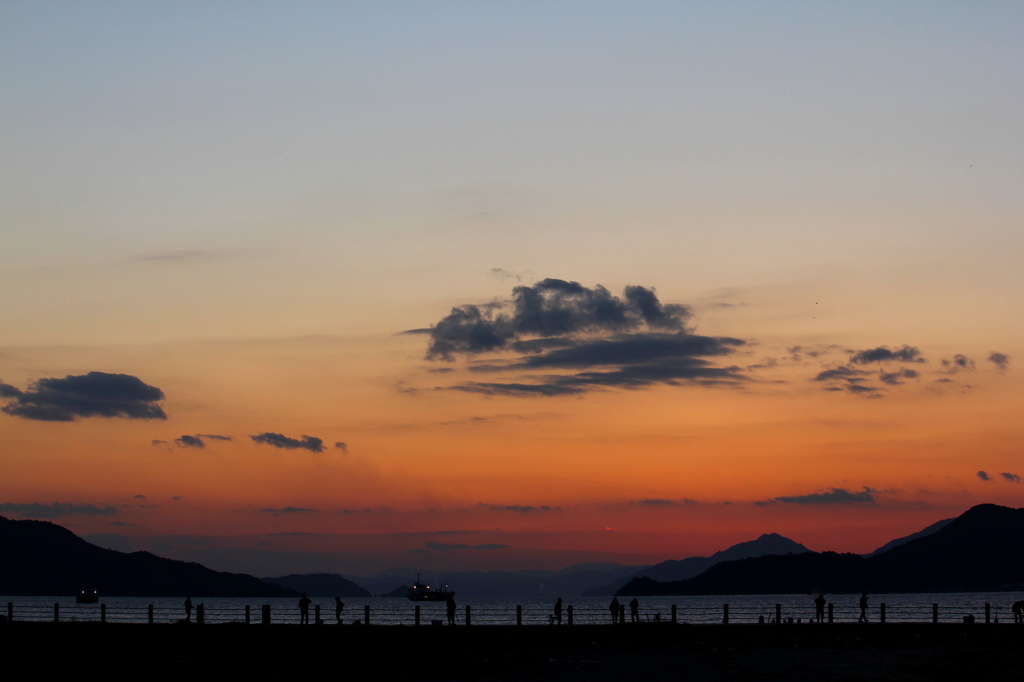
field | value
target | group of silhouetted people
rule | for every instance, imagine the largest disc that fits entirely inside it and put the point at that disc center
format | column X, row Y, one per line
column 819, row 608
column 616, row 611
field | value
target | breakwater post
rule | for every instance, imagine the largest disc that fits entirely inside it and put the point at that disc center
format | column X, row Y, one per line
column 519, row 614
column 673, row 614
column 266, row 614
column 935, row 612
column 570, row 614
column 988, row 613
column 150, row 614
column 882, row 620
column 468, row 620
column 725, row 615
column 366, row 614
column 246, row 613
column 316, row 615
column 10, row 611
column 778, row 614
column 56, row 612
column 831, row 612
column 416, row 617
column 103, row 613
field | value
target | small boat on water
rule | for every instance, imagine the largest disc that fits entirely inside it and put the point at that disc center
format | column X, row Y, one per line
column 422, row 592
column 87, row 596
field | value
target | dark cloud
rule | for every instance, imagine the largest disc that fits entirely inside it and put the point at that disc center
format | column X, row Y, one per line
column 1012, row 478
column 983, row 475
column 832, row 496
column 551, row 308
column 884, row 354
column 518, row 508
column 1000, row 360
column 798, row 353
column 896, row 378
column 281, row 441
column 573, row 339
column 287, row 510
column 196, row 441
column 843, row 373
column 96, row 394
column 445, row 547
column 55, row 510
column 341, row 446
column 959, row 363
column 657, row 503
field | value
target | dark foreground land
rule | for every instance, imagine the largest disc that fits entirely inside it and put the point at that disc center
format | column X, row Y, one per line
column 497, row 653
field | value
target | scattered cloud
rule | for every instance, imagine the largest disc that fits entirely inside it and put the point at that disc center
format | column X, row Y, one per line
column 959, row 363
column 518, row 508
column 983, row 475
column 96, row 394
column 55, row 510
column 287, row 510
column 657, row 503
column 281, row 441
column 189, row 442
column 340, row 445
column 1000, row 360
column 445, row 547
column 1012, row 478
column 832, row 496
column 884, row 354
column 898, row 377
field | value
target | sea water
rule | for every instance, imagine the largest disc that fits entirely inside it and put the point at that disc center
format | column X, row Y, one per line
column 951, row 607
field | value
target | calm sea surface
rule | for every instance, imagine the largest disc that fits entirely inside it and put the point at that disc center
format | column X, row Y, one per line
column 952, row 607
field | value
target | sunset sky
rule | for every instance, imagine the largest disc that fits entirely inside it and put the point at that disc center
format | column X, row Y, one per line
column 343, row 286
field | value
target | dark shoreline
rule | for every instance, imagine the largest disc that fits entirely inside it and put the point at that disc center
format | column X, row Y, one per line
column 840, row 651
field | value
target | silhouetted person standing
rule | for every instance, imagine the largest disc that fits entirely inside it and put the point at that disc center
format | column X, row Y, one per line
column 819, row 608
column 614, row 608
column 1018, row 612
column 634, row 611
column 339, row 606
column 188, row 608
column 863, row 608
column 558, row 611
column 304, row 609
column 450, row 604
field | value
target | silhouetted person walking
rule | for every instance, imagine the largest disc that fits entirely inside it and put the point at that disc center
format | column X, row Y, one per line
column 863, row 608
column 1018, row 612
column 450, row 604
column 188, row 608
column 304, row 609
column 339, row 606
column 558, row 611
column 614, row 608
column 819, row 608
column 634, row 611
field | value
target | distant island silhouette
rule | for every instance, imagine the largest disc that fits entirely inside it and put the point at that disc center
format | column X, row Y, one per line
column 978, row 551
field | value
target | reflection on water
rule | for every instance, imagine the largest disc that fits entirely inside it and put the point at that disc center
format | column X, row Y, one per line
column 952, row 607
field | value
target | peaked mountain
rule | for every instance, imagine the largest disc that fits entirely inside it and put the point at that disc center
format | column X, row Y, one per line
column 42, row 558
column 683, row 569
column 320, row 585
column 979, row 550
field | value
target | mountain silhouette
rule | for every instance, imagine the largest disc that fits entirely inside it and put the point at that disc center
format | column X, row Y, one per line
column 43, row 558
column 683, row 569
column 978, row 551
